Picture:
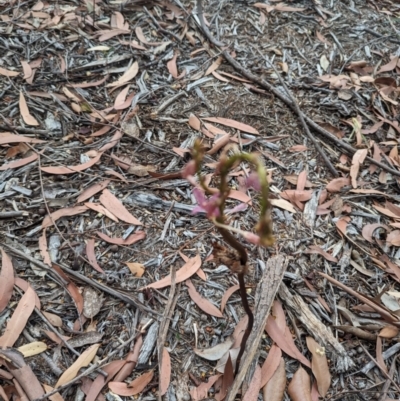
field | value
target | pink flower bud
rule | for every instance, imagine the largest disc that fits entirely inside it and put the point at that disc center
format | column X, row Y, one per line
column 252, row 238
column 209, row 206
column 253, row 181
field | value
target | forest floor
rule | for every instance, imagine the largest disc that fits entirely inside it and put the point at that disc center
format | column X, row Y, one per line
column 108, row 288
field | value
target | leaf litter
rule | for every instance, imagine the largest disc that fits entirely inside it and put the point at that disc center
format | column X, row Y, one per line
column 76, row 127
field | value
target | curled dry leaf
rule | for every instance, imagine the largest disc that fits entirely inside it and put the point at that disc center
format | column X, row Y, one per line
column 69, row 211
column 23, row 107
column 91, row 255
column 270, row 364
column 389, row 332
column 165, row 372
column 84, row 359
column 201, row 302
column 19, row 318
column 72, row 169
column 319, row 366
column 368, row 231
column 115, row 206
column 137, row 269
column 227, row 295
column 299, row 388
column 33, row 348
column 274, row 390
column 186, row 271
column 6, row 280
column 357, row 161
column 134, row 387
column 216, row 352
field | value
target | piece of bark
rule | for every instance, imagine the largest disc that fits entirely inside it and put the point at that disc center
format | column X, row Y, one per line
column 316, row 329
column 148, row 344
column 265, row 294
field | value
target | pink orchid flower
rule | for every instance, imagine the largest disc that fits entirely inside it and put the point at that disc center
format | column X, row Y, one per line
column 209, row 206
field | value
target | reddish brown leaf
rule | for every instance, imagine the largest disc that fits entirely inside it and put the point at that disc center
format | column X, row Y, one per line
column 134, row 387
column 319, row 366
column 200, row 392
column 71, row 169
column 72, row 289
column 214, row 65
column 358, row 159
column 115, row 206
column 171, row 65
column 91, row 254
column 274, row 390
column 299, row 388
column 6, row 280
column 194, row 122
column 379, row 356
column 131, row 360
column 101, row 209
column 24, row 285
column 186, row 271
column 90, row 84
column 320, row 251
column 301, row 181
column 368, row 231
column 298, row 148
column 270, row 365
column 201, row 302
column 133, row 238
column 233, row 124
column 393, row 238
column 128, row 75
column 19, row 162
column 113, row 141
column 165, row 372
column 227, row 379
column 389, row 332
column 19, row 318
column 8, row 73
column 54, row 397
column 390, row 66
column 8, row 137
column 65, row 212
column 218, row 144
column 43, row 248
column 337, row 184
column 227, row 295
column 254, row 386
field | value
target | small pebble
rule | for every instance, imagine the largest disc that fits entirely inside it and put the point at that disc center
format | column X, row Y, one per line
column 360, row 350
column 361, row 384
column 42, row 211
column 203, row 317
column 114, row 248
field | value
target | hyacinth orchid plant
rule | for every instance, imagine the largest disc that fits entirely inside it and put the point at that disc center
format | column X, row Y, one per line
column 212, row 202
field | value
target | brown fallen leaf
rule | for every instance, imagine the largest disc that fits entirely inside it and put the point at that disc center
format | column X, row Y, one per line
column 379, row 356
column 128, row 75
column 33, row 348
column 134, row 387
column 320, row 251
column 283, row 204
column 227, row 295
column 298, row 148
column 254, row 386
column 201, row 302
column 55, row 320
column 113, row 141
column 218, row 144
column 274, row 390
column 357, row 161
column 270, row 365
column 393, row 238
column 91, row 255
column 115, row 206
column 389, row 332
column 8, row 137
column 43, row 248
column 132, row 239
column 194, row 122
column 54, row 397
column 391, row 65
column 71, row 288
column 19, row 318
column 319, row 366
column 83, row 360
column 233, row 124
column 171, row 65
column 49, row 220
column 8, row 73
column 72, row 169
column 102, row 210
column 368, row 231
column 19, row 162
column 6, row 280
column 137, row 269
column 165, row 372
column 299, row 388
column 337, row 184
column 186, row 271
column 216, row 352
column 201, row 391
column 23, row 107
column 227, row 379
column 141, row 170
column 24, row 285
column 214, row 66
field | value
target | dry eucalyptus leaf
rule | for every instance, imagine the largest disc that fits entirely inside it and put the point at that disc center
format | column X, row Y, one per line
column 216, row 352
column 92, row 302
column 137, row 269
column 140, row 170
column 32, row 348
